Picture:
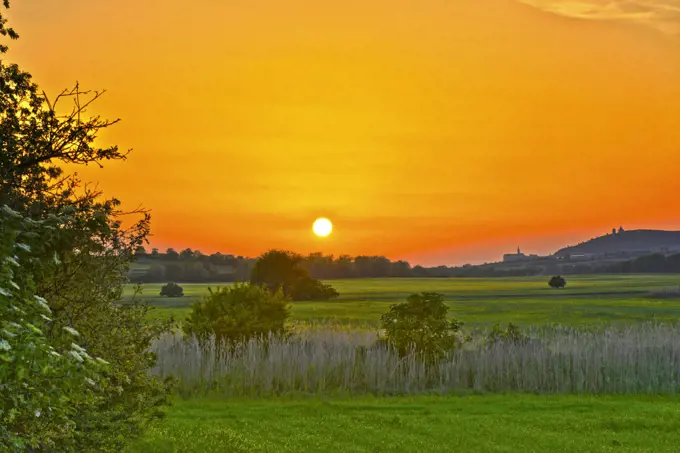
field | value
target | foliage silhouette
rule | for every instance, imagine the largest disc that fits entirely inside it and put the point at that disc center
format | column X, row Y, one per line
column 172, row 290
column 78, row 265
column 280, row 270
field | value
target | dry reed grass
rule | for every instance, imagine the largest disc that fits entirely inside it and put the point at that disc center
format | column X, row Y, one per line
column 635, row 359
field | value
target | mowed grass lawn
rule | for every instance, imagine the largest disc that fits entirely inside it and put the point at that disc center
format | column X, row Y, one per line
column 476, row 301
column 498, row 423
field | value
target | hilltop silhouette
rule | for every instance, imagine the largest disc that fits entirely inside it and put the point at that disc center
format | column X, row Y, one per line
column 629, row 242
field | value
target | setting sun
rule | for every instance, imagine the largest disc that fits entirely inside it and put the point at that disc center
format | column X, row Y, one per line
column 322, row 227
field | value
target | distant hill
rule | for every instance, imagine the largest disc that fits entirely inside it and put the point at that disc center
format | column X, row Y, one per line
column 632, row 242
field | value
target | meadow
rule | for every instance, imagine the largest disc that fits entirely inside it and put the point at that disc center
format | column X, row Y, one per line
column 477, row 424
column 599, row 373
column 476, row 301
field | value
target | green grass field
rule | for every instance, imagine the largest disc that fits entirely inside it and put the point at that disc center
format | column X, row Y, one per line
column 512, row 423
column 477, row 301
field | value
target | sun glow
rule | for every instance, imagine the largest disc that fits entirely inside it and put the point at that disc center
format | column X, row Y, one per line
column 322, row 227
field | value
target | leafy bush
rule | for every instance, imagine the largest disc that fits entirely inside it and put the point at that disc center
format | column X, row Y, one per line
column 47, row 384
column 420, row 325
column 84, row 287
column 281, row 270
column 557, row 282
column 79, row 410
column 172, row 290
column 238, row 313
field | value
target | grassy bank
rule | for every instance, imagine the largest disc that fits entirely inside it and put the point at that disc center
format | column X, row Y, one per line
column 483, row 424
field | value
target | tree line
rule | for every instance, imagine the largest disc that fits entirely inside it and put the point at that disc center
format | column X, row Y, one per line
column 191, row 266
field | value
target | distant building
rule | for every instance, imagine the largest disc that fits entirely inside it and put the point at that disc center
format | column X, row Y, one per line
column 514, row 257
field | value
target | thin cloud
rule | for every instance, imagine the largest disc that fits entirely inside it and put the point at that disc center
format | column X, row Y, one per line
column 663, row 15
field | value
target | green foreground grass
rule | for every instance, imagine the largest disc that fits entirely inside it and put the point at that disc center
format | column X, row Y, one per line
column 476, row 301
column 499, row 423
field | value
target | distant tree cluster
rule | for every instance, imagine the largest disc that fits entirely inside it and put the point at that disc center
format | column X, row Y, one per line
column 191, row 266
column 330, row 267
column 654, row 263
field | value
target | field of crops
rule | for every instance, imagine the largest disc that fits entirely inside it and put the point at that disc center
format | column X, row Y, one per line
column 525, row 301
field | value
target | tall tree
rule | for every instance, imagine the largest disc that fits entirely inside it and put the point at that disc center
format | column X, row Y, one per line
column 282, row 270
column 278, row 269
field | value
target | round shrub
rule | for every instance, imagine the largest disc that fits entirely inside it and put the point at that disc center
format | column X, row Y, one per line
column 557, row 282
column 238, row 313
column 172, row 290
column 420, row 325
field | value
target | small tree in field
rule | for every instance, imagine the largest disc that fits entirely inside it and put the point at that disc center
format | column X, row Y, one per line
column 557, row 282
column 420, row 325
column 172, row 290
column 238, row 313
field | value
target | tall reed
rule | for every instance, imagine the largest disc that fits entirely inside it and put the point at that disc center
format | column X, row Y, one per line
column 640, row 359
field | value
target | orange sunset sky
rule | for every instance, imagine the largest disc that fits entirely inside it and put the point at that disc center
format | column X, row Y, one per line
column 438, row 131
